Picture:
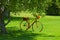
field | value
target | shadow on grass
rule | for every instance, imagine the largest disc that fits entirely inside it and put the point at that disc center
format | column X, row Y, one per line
column 22, row 35
column 18, row 18
column 15, row 34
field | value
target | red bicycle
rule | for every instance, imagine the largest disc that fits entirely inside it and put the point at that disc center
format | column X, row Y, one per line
column 36, row 25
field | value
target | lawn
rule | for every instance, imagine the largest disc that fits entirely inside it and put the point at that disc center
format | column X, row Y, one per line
column 51, row 30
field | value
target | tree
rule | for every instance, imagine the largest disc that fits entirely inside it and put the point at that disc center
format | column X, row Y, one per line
column 54, row 8
column 2, row 14
column 36, row 6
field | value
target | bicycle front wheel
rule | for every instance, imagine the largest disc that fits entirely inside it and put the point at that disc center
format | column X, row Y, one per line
column 23, row 25
column 37, row 26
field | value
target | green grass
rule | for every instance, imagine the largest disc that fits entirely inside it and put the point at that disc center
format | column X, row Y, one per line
column 51, row 30
column 52, row 25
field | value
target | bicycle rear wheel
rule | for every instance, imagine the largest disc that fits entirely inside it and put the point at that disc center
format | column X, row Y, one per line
column 23, row 25
column 37, row 26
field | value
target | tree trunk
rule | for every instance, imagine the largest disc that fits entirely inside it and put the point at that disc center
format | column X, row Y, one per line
column 2, row 24
column 3, row 29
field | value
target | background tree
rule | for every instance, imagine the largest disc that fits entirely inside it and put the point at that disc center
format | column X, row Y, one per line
column 3, row 13
column 37, row 6
column 54, row 8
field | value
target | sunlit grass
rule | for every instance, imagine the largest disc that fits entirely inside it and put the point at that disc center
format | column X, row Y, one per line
column 51, row 24
column 51, row 30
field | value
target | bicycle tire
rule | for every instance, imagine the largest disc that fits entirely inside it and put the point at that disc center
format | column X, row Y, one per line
column 23, row 25
column 37, row 27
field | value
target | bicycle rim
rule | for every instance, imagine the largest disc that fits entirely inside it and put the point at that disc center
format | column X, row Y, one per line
column 37, row 27
column 23, row 25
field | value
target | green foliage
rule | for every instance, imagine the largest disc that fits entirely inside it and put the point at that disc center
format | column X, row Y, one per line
column 26, row 4
column 37, row 6
column 54, row 8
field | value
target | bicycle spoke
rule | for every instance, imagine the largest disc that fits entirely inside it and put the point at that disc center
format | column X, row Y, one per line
column 37, row 26
column 24, row 25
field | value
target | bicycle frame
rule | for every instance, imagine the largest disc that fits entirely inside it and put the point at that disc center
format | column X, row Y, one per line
column 31, row 24
column 27, row 20
column 35, row 22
